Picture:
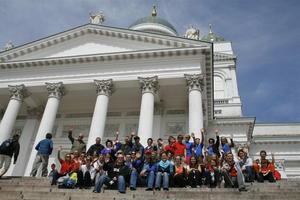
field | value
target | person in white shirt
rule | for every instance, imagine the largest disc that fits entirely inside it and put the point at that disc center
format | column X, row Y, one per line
column 86, row 174
column 246, row 165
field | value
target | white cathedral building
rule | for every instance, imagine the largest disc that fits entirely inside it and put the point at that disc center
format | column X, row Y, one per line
column 146, row 78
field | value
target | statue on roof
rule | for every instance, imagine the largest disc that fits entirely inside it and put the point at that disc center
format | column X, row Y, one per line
column 9, row 45
column 192, row 33
column 154, row 11
column 97, row 18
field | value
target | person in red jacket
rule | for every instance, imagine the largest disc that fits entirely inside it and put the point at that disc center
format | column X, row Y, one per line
column 67, row 166
column 179, row 147
column 170, row 148
column 264, row 168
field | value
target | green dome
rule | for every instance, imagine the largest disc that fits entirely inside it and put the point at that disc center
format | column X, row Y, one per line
column 154, row 20
column 154, row 24
column 212, row 37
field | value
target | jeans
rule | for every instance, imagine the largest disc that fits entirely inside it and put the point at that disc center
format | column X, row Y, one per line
column 150, row 179
column 133, row 179
column 165, row 177
column 250, row 173
column 104, row 179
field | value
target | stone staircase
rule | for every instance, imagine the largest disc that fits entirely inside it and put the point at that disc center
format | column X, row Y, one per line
column 13, row 188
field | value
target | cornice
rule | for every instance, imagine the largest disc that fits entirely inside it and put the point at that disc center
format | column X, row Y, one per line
column 224, row 57
column 250, row 121
column 168, row 41
column 104, row 57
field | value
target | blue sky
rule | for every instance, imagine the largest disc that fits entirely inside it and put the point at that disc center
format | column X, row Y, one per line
column 265, row 35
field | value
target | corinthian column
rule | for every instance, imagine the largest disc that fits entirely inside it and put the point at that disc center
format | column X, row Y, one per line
column 27, row 135
column 149, row 87
column 104, row 90
column 17, row 92
column 195, row 85
column 55, row 93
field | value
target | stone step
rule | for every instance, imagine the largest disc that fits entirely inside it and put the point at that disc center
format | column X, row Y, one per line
column 39, row 188
column 25, row 188
column 101, row 196
column 51, row 196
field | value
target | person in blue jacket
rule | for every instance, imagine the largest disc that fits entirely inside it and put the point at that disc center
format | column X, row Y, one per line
column 164, row 169
column 44, row 149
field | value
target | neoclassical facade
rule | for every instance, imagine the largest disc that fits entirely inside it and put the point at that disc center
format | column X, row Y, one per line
column 98, row 79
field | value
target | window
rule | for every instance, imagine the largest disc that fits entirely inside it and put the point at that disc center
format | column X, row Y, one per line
column 219, row 86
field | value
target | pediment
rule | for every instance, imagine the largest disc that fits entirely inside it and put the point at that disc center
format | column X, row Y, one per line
column 94, row 39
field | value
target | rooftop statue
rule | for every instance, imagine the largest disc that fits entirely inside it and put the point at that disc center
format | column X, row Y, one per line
column 192, row 33
column 97, row 18
column 9, row 45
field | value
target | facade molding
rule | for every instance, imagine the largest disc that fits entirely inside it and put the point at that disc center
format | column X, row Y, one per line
column 103, row 57
column 224, row 57
column 168, row 41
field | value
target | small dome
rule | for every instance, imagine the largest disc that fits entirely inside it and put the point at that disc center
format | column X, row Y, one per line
column 154, row 24
column 212, row 37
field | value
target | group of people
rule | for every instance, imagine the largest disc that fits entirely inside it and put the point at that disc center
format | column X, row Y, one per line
column 184, row 161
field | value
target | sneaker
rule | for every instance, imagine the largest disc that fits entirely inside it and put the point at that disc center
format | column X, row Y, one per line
column 157, row 188
column 166, row 189
column 149, row 189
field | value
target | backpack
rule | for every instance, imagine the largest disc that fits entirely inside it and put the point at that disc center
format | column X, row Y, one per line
column 6, row 146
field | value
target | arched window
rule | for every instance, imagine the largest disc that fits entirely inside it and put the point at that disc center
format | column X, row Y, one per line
column 219, row 86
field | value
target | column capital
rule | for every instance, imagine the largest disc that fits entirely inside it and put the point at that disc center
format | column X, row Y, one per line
column 148, row 84
column 104, row 87
column 194, row 81
column 18, row 92
column 55, row 90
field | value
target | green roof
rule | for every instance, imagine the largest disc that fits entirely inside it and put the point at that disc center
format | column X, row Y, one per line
column 154, row 20
column 211, row 37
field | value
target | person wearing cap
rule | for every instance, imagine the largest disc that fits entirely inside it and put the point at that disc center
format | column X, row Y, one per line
column 9, row 148
column 77, row 144
column 137, row 146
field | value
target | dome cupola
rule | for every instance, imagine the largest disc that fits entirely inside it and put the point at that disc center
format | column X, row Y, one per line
column 154, row 24
column 212, row 37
